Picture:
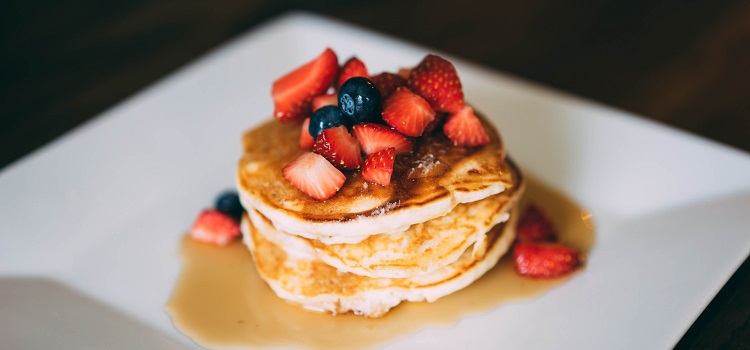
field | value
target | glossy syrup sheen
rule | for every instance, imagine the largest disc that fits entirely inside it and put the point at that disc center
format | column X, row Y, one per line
column 220, row 302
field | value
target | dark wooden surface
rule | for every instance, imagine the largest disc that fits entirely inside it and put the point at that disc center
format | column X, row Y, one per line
column 682, row 63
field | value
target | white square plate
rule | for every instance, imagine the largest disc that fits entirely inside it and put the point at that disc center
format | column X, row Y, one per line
column 95, row 218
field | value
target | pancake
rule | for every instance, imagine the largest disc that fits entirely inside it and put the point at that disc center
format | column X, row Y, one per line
column 305, row 280
column 425, row 184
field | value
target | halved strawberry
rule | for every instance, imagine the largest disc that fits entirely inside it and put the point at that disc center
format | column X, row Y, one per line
column 378, row 166
column 407, row 112
column 535, row 226
column 544, row 260
column 215, row 227
column 324, row 100
column 293, row 93
column 314, row 175
column 375, row 137
column 465, row 129
column 306, row 140
column 339, row 147
column 387, row 83
column 436, row 80
column 352, row 68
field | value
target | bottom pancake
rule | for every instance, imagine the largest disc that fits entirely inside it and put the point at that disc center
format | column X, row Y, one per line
column 303, row 279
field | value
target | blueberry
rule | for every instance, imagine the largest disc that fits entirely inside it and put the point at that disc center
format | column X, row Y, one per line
column 359, row 100
column 229, row 203
column 327, row 117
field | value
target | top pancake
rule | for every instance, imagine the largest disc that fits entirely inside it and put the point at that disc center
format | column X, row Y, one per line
column 425, row 184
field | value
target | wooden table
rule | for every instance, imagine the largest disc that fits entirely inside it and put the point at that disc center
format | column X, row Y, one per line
column 681, row 63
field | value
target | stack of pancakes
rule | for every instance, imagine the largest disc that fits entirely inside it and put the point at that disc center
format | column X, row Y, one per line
column 446, row 218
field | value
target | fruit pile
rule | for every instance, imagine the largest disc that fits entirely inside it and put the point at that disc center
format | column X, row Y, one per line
column 219, row 225
column 352, row 121
column 537, row 252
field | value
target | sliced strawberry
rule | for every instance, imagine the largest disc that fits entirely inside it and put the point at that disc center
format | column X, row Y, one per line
column 215, row 227
column 352, row 68
column 293, row 93
column 314, row 175
column 387, row 83
column 465, row 129
column 378, row 166
column 407, row 112
column 306, row 140
column 544, row 260
column 339, row 147
column 324, row 100
column 404, row 72
column 535, row 226
column 436, row 80
column 375, row 137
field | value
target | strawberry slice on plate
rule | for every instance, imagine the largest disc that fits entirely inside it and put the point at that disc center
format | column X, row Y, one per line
column 293, row 93
column 387, row 83
column 321, row 101
column 339, row 147
column 436, row 80
column 376, row 137
column 314, row 175
column 378, row 166
column 544, row 260
column 535, row 226
column 352, row 68
column 406, row 112
column 463, row 128
column 306, row 140
column 215, row 227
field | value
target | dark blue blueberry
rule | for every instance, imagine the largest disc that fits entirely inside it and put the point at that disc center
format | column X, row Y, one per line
column 359, row 100
column 229, row 203
column 327, row 117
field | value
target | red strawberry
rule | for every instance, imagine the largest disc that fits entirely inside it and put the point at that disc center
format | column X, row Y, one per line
column 378, row 166
column 535, row 226
column 544, row 260
column 306, row 140
column 407, row 112
column 339, row 147
column 375, row 137
column 314, row 175
column 215, row 227
column 387, row 83
column 293, row 93
column 352, row 68
column 465, row 129
column 436, row 80
column 324, row 100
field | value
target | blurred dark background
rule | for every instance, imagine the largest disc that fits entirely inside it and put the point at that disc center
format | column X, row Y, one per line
column 682, row 63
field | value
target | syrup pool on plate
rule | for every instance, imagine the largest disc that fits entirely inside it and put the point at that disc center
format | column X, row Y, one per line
column 220, row 301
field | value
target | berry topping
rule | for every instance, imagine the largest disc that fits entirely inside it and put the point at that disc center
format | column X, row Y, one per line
column 463, row 128
column 215, row 227
column 387, row 83
column 407, row 112
column 339, row 147
column 375, row 137
column 544, row 260
column 535, row 226
column 326, row 118
column 360, row 100
column 352, row 68
column 324, row 100
column 436, row 80
column 378, row 166
column 293, row 93
column 306, row 140
column 314, row 175
column 229, row 203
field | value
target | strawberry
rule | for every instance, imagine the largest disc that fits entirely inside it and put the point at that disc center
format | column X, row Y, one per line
column 324, row 100
column 214, row 227
column 535, row 226
column 436, row 80
column 292, row 94
column 407, row 112
column 404, row 72
column 339, row 147
column 375, row 137
column 314, row 175
column 465, row 129
column 306, row 140
column 544, row 260
column 387, row 83
column 352, row 68
column 378, row 166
